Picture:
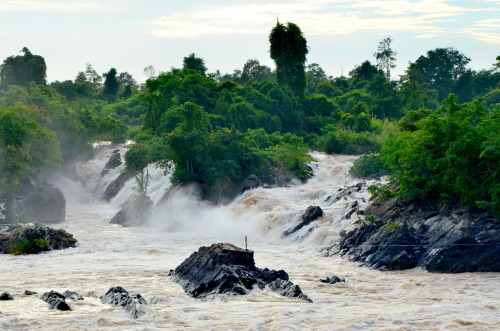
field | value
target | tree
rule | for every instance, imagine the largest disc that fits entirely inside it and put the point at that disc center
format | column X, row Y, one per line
column 24, row 146
column 22, row 70
column 125, row 79
column 195, row 63
column 386, row 57
column 365, row 71
column 289, row 50
column 92, row 76
column 441, row 68
column 255, row 72
column 111, row 83
column 150, row 72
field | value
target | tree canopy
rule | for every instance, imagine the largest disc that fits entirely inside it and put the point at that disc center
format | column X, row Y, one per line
column 22, row 70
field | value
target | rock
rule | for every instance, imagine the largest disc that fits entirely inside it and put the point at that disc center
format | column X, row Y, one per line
column 156, row 300
column 33, row 238
column 6, row 296
column 72, row 296
column 27, row 292
column 311, row 214
column 91, row 294
column 288, row 289
column 114, row 161
column 115, row 186
column 55, row 301
column 42, row 203
column 117, row 296
column 136, row 212
column 249, row 183
column 332, row 280
column 438, row 239
column 224, row 270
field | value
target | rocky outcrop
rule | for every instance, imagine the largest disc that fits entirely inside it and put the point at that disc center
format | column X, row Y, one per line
column 6, row 296
column 311, row 214
column 437, row 237
column 33, row 238
column 249, row 183
column 136, row 212
column 40, row 202
column 115, row 186
column 224, row 269
column 28, row 292
column 55, row 300
column 114, row 161
column 117, row 296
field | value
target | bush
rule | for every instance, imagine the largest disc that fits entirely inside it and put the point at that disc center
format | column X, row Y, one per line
column 368, row 165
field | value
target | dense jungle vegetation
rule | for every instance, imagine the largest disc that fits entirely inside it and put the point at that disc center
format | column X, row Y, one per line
column 435, row 128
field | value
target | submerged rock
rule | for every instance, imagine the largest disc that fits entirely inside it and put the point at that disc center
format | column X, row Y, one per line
column 6, row 296
column 117, row 296
column 33, row 238
column 55, row 300
column 27, row 292
column 224, row 269
column 72, row 296
column 399, row 236
column 136, row 212
column 332, row 280
column 311, row 214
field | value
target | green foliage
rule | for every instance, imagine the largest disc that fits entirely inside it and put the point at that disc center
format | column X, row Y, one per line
column 391, row 226
column 367, row 165
column 194, row 63
column 452, row 154
column 342, row 141
column 22, row 70
column 111, row 83
column 289, row 50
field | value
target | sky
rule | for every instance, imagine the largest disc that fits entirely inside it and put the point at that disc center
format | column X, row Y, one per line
column 130, row 35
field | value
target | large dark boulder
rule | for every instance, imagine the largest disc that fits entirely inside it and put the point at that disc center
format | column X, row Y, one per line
column 136, row 212
column 115, row 186
column 117, row 296
column 311, row 214
column 41, row 202
column 33, row 238
column 6, row 296
column 114, row 161
column 55, row 300
column 224, row 269
column 439, row 238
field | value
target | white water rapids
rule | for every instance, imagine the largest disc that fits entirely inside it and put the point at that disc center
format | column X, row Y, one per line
column 140, row 258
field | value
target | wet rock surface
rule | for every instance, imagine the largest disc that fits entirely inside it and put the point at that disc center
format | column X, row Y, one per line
column 56, row 301
column 33, row 238
column 135, row 213
column 6, row 296
column 115, row 186
column 224, row 270
column 311, row 214
column 114, row 161
column 437, row 237
column 27, row 292
column 117, row 296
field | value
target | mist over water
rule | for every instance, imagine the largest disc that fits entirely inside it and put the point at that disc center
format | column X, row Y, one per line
column 139, row 259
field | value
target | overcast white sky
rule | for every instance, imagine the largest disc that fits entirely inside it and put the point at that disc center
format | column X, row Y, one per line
column 131, row 34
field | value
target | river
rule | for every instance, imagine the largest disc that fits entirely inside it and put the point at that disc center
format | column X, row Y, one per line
column 139, row 259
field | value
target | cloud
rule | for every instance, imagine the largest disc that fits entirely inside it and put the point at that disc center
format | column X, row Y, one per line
column 487, row 37
column 56, row 6
column 320, row 17
column 427, row 35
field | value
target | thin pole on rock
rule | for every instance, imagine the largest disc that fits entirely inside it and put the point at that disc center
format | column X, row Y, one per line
column 246, row 246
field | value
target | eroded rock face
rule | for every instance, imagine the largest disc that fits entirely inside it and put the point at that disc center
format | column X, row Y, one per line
column 114, row 161
column 115, row 186
column 33, row 238
column 117, row 296
column 436, row 237
column 224, row 269
column 135, row 213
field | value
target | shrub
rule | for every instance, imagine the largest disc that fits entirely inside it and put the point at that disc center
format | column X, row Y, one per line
column 367, row 165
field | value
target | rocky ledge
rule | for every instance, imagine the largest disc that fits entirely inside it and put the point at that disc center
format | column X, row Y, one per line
column 440, row 238
column 32, row 238
column 224, row 269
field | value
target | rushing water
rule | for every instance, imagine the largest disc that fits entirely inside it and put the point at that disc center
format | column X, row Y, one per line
column 140, row 258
